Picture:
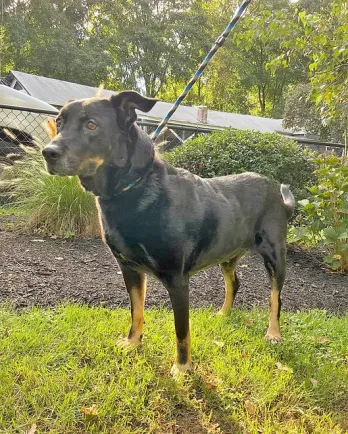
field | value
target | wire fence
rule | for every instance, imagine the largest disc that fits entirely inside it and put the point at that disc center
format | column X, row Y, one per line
column 174, row 134
column 22, row 126
column 321, row 147
column 19, row 125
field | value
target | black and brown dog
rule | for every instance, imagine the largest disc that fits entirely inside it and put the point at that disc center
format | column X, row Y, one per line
column 165, row 221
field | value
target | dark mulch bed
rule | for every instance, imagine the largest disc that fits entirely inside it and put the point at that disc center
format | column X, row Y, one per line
column 46, row 272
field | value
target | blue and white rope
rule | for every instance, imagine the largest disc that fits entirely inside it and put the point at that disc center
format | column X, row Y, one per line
column 218, row 43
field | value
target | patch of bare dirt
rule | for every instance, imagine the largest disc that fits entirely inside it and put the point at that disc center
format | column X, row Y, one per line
column 37, row 271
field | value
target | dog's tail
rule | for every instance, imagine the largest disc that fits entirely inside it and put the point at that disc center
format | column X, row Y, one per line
column 289, row 200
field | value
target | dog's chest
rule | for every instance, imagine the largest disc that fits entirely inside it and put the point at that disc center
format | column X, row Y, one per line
column 133, row 242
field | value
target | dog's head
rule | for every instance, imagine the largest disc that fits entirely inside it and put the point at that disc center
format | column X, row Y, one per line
column 92, row 132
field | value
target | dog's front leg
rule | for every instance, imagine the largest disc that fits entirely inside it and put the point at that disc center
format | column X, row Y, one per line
column 178, row 288
column 136, row 286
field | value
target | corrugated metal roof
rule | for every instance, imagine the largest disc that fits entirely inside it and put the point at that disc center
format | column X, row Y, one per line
column 58, row 92
column 16, row 98
column 188, row 114
column 53, row 91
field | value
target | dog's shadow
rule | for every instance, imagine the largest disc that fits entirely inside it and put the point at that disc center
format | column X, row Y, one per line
column 199, row 408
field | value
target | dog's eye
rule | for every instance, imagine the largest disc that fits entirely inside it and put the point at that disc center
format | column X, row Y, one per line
column 91, row 125
column 58, row 123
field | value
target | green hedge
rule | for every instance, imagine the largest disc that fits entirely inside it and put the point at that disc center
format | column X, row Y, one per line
column 235, row 151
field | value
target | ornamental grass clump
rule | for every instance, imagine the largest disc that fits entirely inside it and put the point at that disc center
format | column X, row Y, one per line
column 49, row 205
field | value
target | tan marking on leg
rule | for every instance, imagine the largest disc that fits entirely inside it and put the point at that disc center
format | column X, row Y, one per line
column 273, row 332
column 228, row 302
column 178, row 369
column 137, row 296
column 228, row 272
column 183, row 347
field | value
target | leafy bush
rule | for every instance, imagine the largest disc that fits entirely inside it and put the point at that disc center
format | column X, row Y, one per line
column 235, row 151
column 326, row 211
column 50, row 205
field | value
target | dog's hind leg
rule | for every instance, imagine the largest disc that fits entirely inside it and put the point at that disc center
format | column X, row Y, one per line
column 178, row 289
column 274, row 256
column 277, row 280
column 231, row 284
column 136, row 286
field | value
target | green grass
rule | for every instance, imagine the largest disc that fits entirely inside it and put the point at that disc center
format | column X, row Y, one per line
column 50, row 205
column 54, row 362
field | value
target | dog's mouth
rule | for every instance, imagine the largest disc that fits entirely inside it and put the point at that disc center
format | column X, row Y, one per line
column 50, row 170
column 59, row 170
column 65, row 167
column 61, row 166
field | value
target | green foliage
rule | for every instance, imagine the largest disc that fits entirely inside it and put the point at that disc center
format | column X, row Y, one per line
column 238, row 78
column 327, row 45
column 50, row 205
column 322, row 38
column 257, row 41
column 156, row 45
column 61, row 369
column 221, row 86
column 326, row 211
column 235, row 151
column 129, row 44
column 155, row 40
column 56, row 39
column 301, row 113
column 314, row 6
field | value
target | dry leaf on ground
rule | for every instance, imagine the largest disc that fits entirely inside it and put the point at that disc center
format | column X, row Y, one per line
column 314, row 382
column 32, row 429
column 90, row 411
column 323, row 341
column 250, row 407
column 282, row 367
column 219, row 344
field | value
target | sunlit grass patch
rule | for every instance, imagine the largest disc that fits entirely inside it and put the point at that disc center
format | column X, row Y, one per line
column 62, row 370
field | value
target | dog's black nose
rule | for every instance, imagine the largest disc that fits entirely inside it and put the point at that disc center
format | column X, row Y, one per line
column 51, row 153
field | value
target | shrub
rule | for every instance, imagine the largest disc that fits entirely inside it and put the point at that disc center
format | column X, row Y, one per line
column 235, row 151
column 326, row 211
column 50, row 205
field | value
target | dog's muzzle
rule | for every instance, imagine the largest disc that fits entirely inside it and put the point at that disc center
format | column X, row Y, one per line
column 51, row 153
column 56, row 160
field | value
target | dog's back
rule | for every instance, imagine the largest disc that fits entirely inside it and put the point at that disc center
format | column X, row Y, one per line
column 239, row 206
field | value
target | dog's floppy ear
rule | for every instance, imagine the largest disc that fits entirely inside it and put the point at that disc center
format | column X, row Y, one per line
column 126, row 102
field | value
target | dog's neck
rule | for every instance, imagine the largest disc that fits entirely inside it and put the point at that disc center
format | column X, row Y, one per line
column 111, row 180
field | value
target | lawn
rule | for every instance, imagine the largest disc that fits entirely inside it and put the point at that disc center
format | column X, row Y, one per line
column 61, row 372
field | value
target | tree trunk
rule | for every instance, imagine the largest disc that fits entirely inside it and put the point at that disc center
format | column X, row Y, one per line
column 262, row 98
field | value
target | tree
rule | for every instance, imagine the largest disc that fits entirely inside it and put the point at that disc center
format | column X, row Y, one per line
column 220, row 87
column 300, row 113
column 258, row 41
column 325, row 40
column 312, row 6
column 155, row 46
column 55, row 39
column 152, row 41
column 238, row 78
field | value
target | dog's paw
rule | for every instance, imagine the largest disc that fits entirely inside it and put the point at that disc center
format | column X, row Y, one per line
column 129, row 343
column 273, row 338
column 224, row 311
column 179, row 369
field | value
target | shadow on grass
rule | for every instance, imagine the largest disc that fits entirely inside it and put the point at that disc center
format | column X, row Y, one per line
column 319, row 369
column 199, row 409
